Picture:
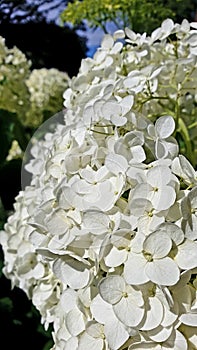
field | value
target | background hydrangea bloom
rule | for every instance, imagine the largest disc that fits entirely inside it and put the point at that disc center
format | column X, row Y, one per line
column 34, row 95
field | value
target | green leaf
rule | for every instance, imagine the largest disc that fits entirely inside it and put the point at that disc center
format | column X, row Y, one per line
column 6, row 304
column 186, row 138
column 10, row 129
column 6, row 133
column 48, row 345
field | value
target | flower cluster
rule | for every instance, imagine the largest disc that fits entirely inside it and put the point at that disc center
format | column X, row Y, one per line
column 15, row 151
column 14, row 70
column 46, row 87
column 33, row 95
column 104, row 238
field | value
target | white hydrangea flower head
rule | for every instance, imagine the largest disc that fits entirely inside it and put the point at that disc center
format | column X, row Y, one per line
column 45, row 87
column 14, row 70
column 103, row 236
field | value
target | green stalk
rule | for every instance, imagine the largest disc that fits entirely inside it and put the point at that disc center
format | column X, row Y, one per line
column 185, row 135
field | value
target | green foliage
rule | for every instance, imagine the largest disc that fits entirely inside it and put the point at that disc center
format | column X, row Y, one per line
column 10, row 129
column 6, row 304
column 141, row 16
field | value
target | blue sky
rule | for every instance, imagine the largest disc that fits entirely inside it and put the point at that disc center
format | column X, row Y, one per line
column 94, row 37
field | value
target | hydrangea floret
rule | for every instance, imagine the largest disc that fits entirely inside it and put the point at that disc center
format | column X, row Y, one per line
column 14, row 70
column 45, row 87
column 103, row 239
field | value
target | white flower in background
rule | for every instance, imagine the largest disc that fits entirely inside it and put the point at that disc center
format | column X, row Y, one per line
column 33, row 95
column 14, row 70
column 46, row 87
column 15, row 151
column 103, row 238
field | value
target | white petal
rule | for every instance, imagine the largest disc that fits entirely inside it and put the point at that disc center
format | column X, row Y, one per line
column 128, row 312
column 71, row 343
column 169, row 317
column 116, row 163
column 134, row 269
column 72, row 272
column 167, row 25
column 163, row 271
column 116, row 334
column 165, row 126
column 180, row 343
column 156, row 34
column 111, row 108
column 187, row 168
column 58, row 222
column 190, row 228
column 96, row 222
column 116, row 257
column 138, row 154
column 164, row 198
column 101, row 310
column 126, row 103
column 114, row 330
column 116, row 48
column 148, row 224
column 160, row 334
column 171, row 147
column 173, row 231
column 107, row 42
column 160, row 149
column 118, row 120
column 130, row 33
column 151, row 131
column 190, row 319
column 157, row 244
column 154, row 314
column 119, row 34
column 158, row 176
column 186, row 257
column 75, row 322
column 94, row 329
column 138, row 206
column 111, row 288
column 141, row 191
column 89, row 343
column 68, row 300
